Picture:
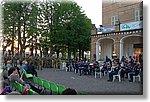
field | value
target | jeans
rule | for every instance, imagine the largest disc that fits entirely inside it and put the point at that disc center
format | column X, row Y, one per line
column 111, row 75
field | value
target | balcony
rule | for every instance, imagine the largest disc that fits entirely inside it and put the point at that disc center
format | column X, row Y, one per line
column 129, row 32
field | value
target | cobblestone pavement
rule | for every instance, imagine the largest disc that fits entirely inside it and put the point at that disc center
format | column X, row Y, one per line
column 88, row 84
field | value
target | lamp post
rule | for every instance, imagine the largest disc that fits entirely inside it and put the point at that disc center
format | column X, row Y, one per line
column 114, row 55
column 101, row 28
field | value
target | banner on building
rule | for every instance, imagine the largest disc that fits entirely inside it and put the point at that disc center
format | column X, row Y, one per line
column 106, row 29
column 131, row 26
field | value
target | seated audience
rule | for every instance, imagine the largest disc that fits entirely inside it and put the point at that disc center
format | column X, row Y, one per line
column 135, row 71
column 14, row 76
column 69, row 91
column 114, row 72
column 31, row 69
column 9, row 64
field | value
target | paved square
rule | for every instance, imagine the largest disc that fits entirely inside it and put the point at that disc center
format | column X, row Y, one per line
column 87, row 84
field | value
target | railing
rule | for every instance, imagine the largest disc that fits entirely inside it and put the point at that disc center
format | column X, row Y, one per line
column 118, row 33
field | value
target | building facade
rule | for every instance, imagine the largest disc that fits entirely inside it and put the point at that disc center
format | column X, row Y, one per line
column 122, row 30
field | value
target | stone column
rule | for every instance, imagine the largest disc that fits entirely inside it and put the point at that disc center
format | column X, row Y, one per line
column 114, row 47
column 121, row 49
column 93, row 50
column 97, row 51
column 117, row 48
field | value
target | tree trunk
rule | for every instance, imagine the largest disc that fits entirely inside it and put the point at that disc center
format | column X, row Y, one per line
column 69, row 54
column 19, row 39
column 12, row 47
column 40, row 52
column 79, row 54
column 82, row 54
column 74, row 53
column 57, row 52
column 45, row 51
column 63, row 55
column 31, row 49
column 24, row 39
column 36, row 46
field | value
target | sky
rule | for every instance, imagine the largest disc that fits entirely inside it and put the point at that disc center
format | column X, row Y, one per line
column 93, row 10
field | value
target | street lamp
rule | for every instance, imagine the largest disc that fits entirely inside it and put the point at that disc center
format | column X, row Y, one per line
column 100, row 29
column 101, row 26
column 114, row 55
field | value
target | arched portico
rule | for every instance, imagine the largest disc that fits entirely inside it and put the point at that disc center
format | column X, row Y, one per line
column 121, row 43
column 104, row 47
column 129, row 44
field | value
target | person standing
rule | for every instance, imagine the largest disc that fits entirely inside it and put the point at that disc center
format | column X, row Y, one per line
column 31, row 69
column 39, row 63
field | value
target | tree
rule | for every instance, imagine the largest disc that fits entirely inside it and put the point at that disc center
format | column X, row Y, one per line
column 50, row 26
column 9, row 25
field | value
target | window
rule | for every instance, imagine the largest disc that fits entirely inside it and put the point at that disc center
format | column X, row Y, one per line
column 138, row 15
column 113, row 1
column 141, row 14
column 114, row 20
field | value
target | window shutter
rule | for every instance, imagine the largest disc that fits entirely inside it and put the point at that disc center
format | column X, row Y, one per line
column 141, row 15
column 137, row 15
column 116, row 20
column 113, row 20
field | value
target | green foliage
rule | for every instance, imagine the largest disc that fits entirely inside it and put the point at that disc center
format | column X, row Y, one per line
column 48, row 25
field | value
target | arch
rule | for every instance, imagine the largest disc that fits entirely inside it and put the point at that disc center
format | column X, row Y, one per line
column 130, row 36
column 121, row 42
column 98, row 44
column 105, row 38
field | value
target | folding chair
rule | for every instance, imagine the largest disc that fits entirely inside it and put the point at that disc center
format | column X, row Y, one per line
column 98, row 72
column 40, row 82
column 118, row 75
column 31, row 92
column 137, row 76
column 46, row 84
column 19, row 87
column 54, row 87
column 27, row 75
column 35, row 80
column 61, row 88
